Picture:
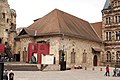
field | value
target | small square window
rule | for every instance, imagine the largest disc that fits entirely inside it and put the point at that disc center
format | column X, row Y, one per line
column 6, row 29
column 7, row 20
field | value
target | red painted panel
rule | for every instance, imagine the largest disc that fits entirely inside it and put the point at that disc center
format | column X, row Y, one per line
column 2, row 46
column 32, row 48
column 39, row 48
column 42, row 49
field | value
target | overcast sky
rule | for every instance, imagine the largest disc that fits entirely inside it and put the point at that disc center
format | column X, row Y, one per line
column 29, row 10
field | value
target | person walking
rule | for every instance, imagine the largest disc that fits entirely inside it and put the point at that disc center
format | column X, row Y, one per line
column 115, row 72
column 5, row 75
column 107, row 73
column 11, row 75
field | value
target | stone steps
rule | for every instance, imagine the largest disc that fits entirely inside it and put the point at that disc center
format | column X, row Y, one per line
column 31, row 67
column 21, row 67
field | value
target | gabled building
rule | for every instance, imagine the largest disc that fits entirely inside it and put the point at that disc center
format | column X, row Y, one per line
column 63, row 32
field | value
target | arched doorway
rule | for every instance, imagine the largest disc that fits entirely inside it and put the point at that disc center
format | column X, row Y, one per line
column 95, row 60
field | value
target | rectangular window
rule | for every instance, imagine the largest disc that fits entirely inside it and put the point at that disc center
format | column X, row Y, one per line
column 109, row 20
column 110, row 36
column 118, row 3
column 116, row 35
column 116, row 17
column 106, row 35
column 3, row 15
column 119, row 19
column 115, row 4
column 7, row 20
column 106, row 20
column 119, row 36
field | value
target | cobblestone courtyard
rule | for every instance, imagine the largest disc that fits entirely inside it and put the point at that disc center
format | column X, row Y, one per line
column 74, row 74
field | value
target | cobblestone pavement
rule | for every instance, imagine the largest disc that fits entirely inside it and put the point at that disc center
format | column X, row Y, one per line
column 74, row 74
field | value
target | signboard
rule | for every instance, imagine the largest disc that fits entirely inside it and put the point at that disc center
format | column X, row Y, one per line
column 2, row 48
column 47, row 58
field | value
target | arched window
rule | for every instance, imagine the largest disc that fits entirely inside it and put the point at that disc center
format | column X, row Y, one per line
column 84, row 57
column 73, row 56
column 108, row 56
column 118, row 56
column 3, row 15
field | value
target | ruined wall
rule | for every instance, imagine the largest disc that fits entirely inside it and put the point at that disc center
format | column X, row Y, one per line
column 4, row 22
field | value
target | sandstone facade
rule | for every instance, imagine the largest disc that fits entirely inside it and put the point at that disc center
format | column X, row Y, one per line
column 111, row 31
column 7, row 24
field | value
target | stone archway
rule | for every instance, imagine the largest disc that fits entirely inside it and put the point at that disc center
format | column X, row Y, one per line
column 95, row 60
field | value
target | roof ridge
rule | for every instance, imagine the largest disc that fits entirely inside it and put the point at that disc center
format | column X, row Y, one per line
column 58, row 20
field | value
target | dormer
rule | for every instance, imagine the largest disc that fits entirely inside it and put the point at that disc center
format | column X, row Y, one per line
column 115, row 3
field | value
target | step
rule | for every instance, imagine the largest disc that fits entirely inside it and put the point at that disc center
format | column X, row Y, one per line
column 52, row 67
column 21, row 67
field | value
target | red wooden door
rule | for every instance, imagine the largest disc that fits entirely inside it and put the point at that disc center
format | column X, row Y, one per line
column 42, row 48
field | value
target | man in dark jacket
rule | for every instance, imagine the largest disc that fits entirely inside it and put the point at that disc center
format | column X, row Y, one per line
column 11, row 75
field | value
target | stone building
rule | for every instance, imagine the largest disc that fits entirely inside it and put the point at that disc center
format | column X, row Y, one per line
column 7, row 24
column 111, row 31
column 81, row 43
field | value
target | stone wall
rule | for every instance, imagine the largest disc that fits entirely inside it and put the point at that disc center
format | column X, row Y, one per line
column 7, row 24
column 4, row 23
column 68, row 44
column 23, row 46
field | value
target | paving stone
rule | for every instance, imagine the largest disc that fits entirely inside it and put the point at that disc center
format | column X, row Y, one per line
column 73, row 74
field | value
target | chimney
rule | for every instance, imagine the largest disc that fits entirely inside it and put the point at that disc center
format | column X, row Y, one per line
column 35, row 32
